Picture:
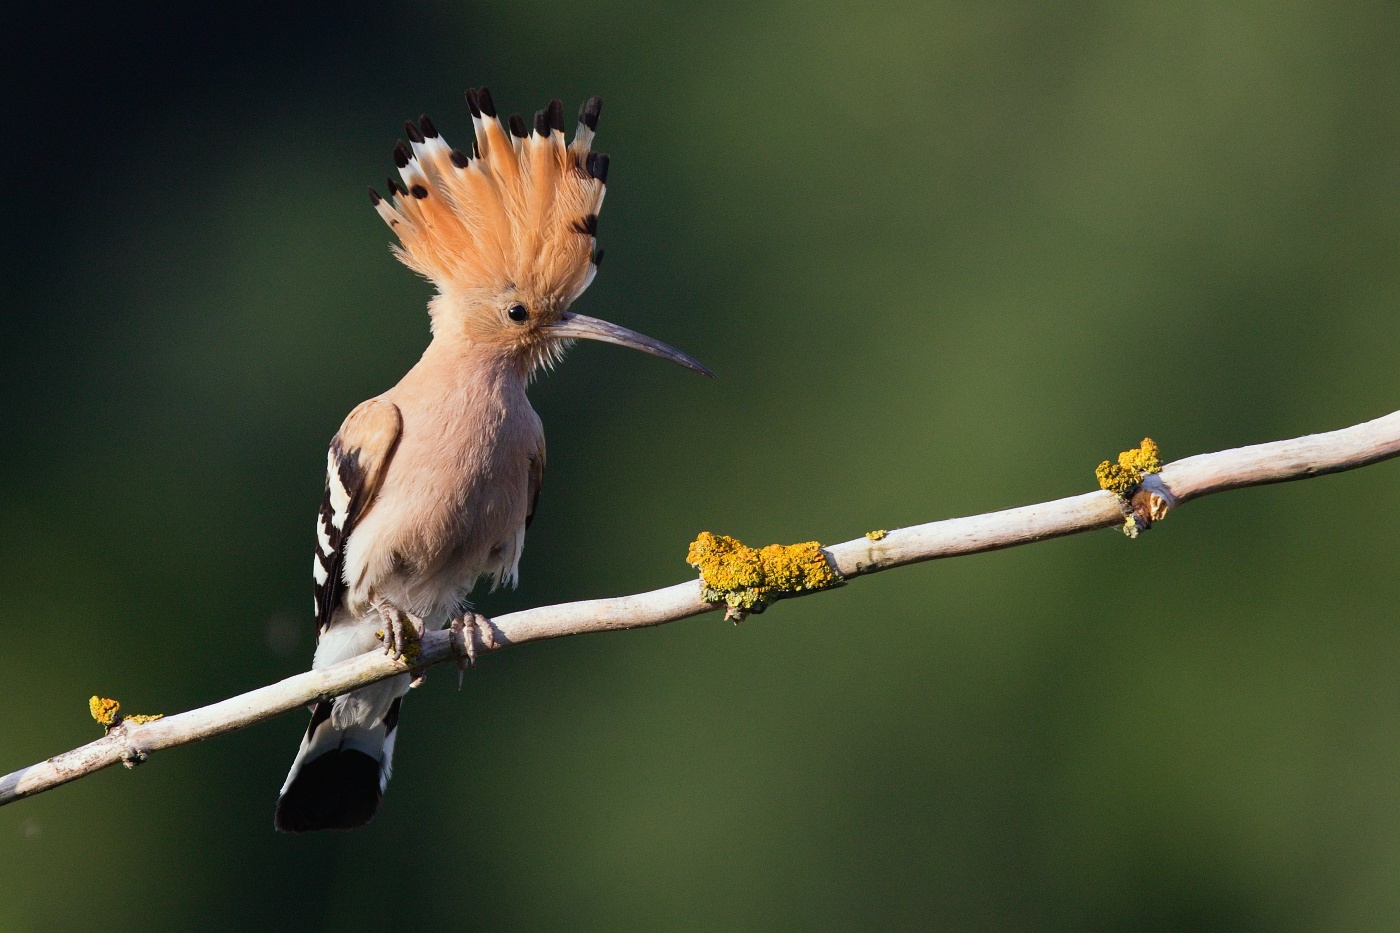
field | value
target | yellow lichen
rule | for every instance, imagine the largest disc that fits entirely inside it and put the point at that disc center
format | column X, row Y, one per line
column 876, row 535
column 1115, row 479
column 106, row 712
column 749, row 580
column 109, row 713
column 1143, row 459
column 144, row 717
column 1123, row 478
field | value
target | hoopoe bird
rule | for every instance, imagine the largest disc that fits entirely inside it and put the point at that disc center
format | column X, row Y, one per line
column 431, row 485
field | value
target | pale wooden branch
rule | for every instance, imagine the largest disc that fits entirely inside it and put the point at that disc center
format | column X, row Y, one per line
column 1280, row 461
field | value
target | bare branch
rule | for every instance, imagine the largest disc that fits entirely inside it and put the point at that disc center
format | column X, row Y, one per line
column 1299, row 458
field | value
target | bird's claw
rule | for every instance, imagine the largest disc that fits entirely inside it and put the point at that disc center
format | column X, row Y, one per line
column 402, row 631
column 475, row 628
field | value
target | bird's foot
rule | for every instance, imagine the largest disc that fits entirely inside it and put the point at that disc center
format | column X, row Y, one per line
column 402, row 633
column 476, row 630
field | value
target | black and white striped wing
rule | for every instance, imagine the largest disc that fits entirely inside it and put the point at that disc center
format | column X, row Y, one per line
column 355, row 466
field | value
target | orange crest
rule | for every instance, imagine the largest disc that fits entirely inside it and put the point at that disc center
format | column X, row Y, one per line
column 520, row 211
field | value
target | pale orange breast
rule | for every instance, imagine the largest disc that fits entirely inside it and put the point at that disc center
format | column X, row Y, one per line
column 453, row 504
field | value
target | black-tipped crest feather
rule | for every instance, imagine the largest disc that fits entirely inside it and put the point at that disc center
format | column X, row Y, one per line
column 588, row 225
column 588, row 113
column 597, row 165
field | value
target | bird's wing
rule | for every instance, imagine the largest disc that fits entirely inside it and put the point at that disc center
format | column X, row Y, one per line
column 355, row 466
column 536, row 480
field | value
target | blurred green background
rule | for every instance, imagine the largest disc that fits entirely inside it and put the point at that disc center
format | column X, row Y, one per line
column 945, row 257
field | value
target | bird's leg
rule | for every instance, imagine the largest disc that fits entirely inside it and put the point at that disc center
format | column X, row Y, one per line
column 402, row 630
column 473, row 626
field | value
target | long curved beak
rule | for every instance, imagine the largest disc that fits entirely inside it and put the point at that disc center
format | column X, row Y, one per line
column 583, row 327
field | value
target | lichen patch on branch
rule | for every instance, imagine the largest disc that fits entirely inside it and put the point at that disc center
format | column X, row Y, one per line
column 749, row 580
column 108, row 713
column 1124, row 477
column 1125, row 480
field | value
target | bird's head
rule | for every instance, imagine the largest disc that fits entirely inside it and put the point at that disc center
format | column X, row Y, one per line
column 508, row 232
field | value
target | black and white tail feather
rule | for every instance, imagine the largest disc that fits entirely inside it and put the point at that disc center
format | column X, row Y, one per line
column 340, row 774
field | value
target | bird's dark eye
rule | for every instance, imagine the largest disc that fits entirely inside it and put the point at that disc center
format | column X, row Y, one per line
column 518, row 313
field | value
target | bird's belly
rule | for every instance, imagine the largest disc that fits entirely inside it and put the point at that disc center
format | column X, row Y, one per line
column 437, row 592
column 427, row 562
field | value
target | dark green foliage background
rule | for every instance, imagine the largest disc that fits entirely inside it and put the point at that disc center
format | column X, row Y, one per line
column 945, row 258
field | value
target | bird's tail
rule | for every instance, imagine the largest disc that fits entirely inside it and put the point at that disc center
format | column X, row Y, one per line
column 344, row 763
